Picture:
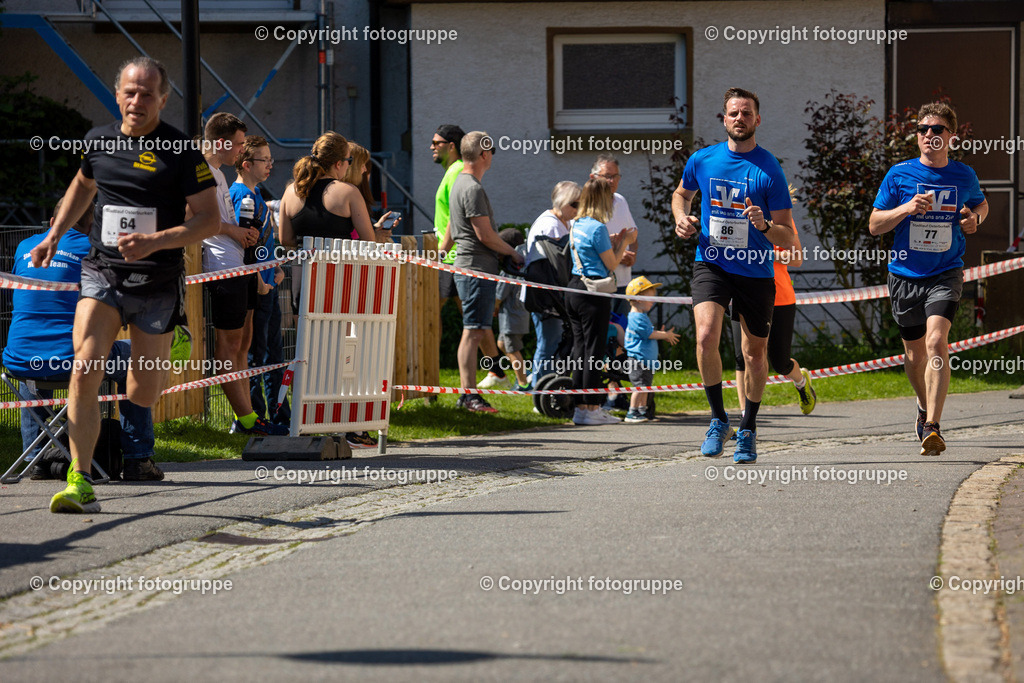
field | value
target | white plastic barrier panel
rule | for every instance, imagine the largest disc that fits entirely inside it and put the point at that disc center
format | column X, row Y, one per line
column 348, row 306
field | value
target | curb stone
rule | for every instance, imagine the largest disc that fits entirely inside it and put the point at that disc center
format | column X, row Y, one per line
column 973, row 646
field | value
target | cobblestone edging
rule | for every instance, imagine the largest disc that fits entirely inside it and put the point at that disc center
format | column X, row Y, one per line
column 971, row 634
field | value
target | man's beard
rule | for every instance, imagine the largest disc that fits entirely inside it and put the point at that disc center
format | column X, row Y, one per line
column 740, row 137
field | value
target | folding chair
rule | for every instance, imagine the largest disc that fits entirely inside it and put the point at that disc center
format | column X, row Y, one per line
column 51, row 428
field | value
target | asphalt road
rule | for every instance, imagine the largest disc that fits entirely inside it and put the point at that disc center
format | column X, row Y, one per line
column 801, row 576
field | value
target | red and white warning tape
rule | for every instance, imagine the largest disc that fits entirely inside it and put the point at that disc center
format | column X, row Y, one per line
column 835, row 371
column 9, row 281
column 195, row 384
column 879, row 291
column 233, row 272
column 804, row 298
column 437, row 265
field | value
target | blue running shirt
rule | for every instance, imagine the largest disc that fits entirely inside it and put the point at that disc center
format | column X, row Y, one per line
column 933, row 243
column 725, row 180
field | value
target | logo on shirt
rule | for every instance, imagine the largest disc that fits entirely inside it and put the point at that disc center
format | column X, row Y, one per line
column 146, row 162
column 726, row 194
column 944, row 197
column 203, row 172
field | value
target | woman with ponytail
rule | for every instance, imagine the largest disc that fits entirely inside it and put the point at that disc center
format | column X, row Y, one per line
column 318, row 203
column 358, row 175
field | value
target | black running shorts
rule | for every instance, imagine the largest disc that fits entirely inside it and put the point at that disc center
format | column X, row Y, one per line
column 753, row 298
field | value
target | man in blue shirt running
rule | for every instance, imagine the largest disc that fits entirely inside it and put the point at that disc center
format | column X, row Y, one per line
column 932, row 203
column 740, row 185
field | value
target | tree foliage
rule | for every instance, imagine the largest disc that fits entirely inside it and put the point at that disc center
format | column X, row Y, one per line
column 661, row 182
column 29, row 179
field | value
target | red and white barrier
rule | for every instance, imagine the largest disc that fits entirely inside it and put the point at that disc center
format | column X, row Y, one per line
column 346, row 334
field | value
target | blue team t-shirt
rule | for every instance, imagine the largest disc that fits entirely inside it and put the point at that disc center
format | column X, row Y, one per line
column 261, row 212
column 639, row 344
column 590, row 237
column 725, row 180
column 927, row 245
column 42, row 322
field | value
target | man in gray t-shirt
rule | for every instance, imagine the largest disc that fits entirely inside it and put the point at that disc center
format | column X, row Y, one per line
column 479, row 248
column 468, row 200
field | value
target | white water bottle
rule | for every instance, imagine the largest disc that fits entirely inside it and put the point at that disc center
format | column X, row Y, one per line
column 246, row 212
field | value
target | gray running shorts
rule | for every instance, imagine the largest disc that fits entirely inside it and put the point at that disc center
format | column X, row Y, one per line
column 153, row 300
column 915, row 299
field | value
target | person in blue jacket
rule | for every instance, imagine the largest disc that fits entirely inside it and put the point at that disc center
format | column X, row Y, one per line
column 40, row 347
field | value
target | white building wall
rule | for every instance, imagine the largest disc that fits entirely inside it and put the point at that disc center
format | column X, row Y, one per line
column 494, row 78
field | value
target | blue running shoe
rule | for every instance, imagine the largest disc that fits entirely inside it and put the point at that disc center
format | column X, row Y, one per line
column 714, row 440
column 746, row 447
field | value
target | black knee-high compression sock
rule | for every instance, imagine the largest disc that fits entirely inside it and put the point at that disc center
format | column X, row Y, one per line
column 714, row 394
column 749, row 420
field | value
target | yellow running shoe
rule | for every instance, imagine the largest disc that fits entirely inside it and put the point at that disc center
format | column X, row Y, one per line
column 77, row 497
column 808, row 399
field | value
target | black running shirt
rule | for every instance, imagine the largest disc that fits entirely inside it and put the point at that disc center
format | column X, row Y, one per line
column 142, row 183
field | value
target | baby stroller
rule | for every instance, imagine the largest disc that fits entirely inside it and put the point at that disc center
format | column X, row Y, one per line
column 562, row 405
column 554, row 267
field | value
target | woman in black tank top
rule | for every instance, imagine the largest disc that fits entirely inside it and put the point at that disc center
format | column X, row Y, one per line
column 317, row 203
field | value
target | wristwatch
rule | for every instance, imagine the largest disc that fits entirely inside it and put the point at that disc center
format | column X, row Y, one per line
column 767, row 226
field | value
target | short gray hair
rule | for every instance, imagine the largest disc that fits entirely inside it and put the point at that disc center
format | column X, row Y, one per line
column 147, row 63
column 603, row 159
column 564, row 194
column 472, row 146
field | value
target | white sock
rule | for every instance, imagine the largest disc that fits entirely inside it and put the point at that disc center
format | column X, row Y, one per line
column 801, row 384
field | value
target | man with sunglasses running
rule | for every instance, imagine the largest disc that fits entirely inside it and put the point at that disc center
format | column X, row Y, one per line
column 932, row 203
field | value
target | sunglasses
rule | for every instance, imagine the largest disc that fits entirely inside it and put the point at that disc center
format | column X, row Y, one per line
column 348, row 159
column 437, row 143
column 936, row 129
column 574, row 205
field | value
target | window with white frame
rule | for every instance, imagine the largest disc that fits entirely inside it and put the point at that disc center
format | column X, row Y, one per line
column 616, row 80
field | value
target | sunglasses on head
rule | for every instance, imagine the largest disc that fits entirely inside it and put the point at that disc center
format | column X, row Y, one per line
column 936, row 129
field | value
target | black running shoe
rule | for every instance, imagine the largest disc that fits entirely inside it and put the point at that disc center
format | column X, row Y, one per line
column 141, row 469
column 475, row 404
column 360, row 440
column 922, row 417
column 932, row 443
